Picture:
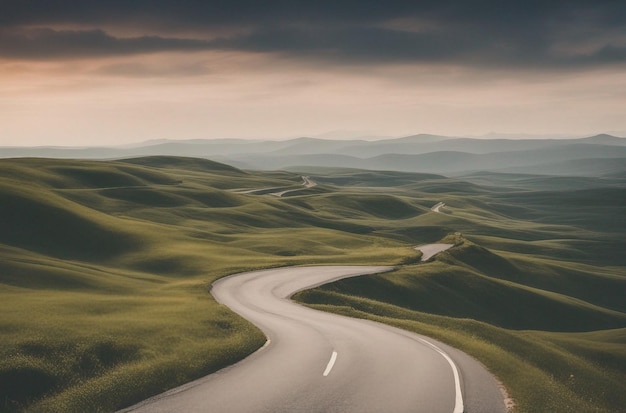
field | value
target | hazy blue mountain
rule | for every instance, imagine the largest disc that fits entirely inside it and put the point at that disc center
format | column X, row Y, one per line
column 456, row 162
column 272, row 162
column 417, row 153
column 563, row 157
column 476, row 146
column 454, row 145
column 309, row 146
column 533, row 182
column 604, row 139
column 577, row 167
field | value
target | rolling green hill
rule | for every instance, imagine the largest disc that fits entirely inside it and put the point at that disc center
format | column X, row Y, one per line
column 534, row 288
column 105, row 269
column 106, row 265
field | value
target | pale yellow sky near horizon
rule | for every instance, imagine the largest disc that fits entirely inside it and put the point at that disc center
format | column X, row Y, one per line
column 216, row 94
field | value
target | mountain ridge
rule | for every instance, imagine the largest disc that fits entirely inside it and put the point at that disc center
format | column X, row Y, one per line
column 415, row 153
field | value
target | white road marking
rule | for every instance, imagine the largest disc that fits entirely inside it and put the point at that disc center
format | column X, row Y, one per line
column 331, row 363
column 458, row 401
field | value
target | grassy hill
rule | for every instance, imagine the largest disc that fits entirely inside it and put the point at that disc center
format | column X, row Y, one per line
column 534, row 287
column 105, row 268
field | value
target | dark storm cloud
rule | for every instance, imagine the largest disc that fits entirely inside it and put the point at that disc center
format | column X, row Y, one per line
column 366, row 44
column 48, row 43
column 381, row 45
column 500, row 33
column 198, row 13
column 145, row 70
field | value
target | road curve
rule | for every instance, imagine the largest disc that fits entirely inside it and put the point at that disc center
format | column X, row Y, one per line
column 430, row 250
column 437, row 207
column 306, row 183
column 320, row 362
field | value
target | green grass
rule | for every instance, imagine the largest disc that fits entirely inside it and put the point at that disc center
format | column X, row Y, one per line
column 118, row 347
column 105, row 269
column 535, row 290
column 553, row 352
column 552, row 372
column 552, row 330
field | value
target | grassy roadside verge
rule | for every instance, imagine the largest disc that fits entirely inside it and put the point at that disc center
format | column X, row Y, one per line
column 555, row 371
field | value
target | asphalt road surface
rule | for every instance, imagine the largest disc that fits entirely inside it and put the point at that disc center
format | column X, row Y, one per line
column 437, row 207
column 430, row 250
column 320, row 362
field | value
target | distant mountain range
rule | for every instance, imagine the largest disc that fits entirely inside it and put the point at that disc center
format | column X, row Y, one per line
column 592, row 156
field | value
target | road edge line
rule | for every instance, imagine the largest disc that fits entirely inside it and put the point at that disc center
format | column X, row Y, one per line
column 458, row 400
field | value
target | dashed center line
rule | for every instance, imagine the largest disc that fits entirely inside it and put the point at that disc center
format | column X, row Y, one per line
column 331, row 363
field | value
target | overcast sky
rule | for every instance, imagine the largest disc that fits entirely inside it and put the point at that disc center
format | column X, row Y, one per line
column 84, row 72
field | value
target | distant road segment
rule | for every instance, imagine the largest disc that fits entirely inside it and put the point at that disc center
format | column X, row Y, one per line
column 306, row 183
column 430, row 250
column 437, row 207
column 320, row 362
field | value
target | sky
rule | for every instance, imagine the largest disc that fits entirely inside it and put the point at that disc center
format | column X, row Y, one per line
column 95, row 72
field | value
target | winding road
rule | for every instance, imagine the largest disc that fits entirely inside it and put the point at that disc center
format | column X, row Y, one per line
column 320, row 362
column 279, row 192
column 437, row 207
column 306, row 183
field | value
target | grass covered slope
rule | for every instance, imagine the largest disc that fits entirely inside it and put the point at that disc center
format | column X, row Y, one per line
column 105, row 268
column 534, row 288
